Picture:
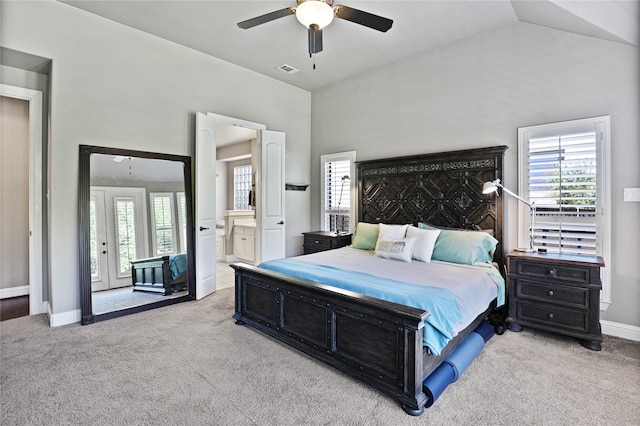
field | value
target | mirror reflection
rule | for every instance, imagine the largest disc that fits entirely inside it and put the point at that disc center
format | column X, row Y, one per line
column 137, row 240
column 137, row 231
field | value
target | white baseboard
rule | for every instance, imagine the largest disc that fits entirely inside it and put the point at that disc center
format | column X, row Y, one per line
column 63, row 318
column 617, row 329
column 6, row 293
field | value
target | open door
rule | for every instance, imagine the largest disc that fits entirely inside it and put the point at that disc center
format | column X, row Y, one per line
column 205, row 223
column 270, row 196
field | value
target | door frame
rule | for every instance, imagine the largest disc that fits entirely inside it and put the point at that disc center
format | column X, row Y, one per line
column 34, row 97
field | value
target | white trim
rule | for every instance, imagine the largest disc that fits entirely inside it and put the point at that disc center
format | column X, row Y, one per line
column 34, row 97
column 6, row 293
column 340, row 156
column 625, row 331
column 601, row 124
column 63, row 318
column 223, row 119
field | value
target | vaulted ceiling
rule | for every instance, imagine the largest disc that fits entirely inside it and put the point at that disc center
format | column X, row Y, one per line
column 351, row 49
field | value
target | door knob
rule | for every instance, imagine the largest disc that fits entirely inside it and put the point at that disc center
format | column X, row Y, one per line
column 202, row 228
column 281, row 222
column 104, row 252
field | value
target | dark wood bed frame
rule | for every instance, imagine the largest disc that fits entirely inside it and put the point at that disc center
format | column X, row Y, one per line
column 372, row 340
column 154, row 275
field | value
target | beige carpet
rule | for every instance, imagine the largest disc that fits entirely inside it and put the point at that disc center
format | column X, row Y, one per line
column 189, row 364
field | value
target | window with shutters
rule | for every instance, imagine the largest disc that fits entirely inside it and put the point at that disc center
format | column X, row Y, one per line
column 564, row 173
column 125, row 234
column 337, row 183
column 182, row 221
column 242, row 181
column 162, row 223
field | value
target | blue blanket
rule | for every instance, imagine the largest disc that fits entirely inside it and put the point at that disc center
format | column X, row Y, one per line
column 177, row 265
column 440, row 303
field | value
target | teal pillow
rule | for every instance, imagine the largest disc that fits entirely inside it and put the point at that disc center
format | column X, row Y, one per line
column 366, row 236
column 463, row 246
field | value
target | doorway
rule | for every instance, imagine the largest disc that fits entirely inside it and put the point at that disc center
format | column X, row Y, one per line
column 266, row 226
column 27, row 281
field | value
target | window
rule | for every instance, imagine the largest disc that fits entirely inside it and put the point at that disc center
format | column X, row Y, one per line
column 125, row 234
column 564, row 173
column 337, row 211
column 162, row 230
column 182, row 221
column 242, row 188
column 93, row 240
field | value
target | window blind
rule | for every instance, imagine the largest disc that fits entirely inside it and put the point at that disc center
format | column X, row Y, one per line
column 337, row 196
column 563, row 186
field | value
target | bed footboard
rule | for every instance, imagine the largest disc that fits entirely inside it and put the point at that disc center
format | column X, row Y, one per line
column 152, row 274
column 374, row 341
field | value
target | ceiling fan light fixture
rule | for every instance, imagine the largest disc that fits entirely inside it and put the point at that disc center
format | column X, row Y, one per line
column 314, row 12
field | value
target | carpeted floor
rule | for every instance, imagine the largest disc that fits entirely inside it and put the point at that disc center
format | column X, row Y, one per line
column 189, row 364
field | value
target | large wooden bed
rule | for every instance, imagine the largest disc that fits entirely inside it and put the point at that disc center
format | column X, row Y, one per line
column 338, row 326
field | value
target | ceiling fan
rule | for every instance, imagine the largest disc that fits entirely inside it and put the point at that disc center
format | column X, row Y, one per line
column 317, row 14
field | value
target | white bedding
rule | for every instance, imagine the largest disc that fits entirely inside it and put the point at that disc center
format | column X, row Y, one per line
column 475, row 287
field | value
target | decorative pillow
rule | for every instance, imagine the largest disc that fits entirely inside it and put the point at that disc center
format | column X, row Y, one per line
column 463, row 246
column 366, row 236
column 390, row 248
column 425, row 241
column 397, row 232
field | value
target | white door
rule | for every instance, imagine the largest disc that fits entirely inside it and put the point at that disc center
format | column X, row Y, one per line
column 118, row 235
column 98, row 242
column 270, row 196
column 205, row 183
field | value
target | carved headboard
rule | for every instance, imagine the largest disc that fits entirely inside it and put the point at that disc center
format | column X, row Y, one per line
column 443, row 189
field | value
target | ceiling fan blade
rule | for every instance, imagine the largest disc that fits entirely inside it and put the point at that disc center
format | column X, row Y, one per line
column 250, row 23
column 363, row 18
column 315, row 40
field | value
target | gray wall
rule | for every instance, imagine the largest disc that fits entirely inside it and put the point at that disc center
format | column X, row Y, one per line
column 477, row 93
column 118, row 87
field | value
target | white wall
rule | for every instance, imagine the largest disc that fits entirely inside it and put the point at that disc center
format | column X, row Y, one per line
column 477, row 93
column 115, row 86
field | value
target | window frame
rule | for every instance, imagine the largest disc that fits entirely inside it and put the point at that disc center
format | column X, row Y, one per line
column 154, row 242
column 602, row 126
column 119, row 264
column 235, row 187
column 339, row 156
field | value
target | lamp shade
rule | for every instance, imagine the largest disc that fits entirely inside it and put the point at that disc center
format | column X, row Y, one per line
column 346, row 178
column 490, row 187
column 314, row 12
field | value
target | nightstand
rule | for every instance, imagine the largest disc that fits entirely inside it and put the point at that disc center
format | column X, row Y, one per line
column 322, row 240
column 559, row 293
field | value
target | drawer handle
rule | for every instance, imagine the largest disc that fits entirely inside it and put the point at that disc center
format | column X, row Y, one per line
column 317, row 242
column 550, row 316
column 550, row 292
column 551, row 271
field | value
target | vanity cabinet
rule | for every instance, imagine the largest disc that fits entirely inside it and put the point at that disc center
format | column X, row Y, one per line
column 244, row 243
column 556, row 292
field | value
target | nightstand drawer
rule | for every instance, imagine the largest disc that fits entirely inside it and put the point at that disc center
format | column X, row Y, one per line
column 577, row 297
column 574, row 274
column 553, row 316
column 317, row 243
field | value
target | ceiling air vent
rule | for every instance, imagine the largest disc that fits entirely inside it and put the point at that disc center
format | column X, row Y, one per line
column 288, row 69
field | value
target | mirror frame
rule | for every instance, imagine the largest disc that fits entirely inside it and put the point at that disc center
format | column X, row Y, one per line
column 84, row 192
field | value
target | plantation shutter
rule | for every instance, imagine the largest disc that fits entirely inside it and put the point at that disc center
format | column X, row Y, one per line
column 337, row 196
column 563, row 186
column 163, row 234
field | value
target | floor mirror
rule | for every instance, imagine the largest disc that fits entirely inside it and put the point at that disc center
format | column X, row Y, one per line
column 136, row 249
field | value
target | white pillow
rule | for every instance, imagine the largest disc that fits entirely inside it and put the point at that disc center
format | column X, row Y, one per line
column 390, row 248
column 397, row 232
column 425, row 241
